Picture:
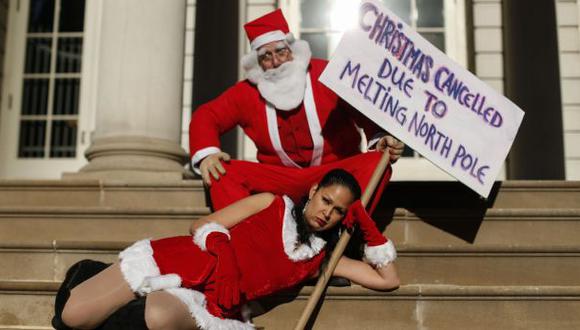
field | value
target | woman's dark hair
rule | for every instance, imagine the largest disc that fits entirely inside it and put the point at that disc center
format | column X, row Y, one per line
column 335, row 176
column 343, row 178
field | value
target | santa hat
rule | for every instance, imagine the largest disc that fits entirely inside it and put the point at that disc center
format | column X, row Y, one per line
column 268, row 28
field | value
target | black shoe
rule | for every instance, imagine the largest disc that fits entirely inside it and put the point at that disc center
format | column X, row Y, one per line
column 334, row 281
column 128, row 317
column 76, row 274
column 339, row 281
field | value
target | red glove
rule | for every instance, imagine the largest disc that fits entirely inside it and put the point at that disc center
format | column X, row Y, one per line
column 357, row 214
column 226, row 269
column 379, row 251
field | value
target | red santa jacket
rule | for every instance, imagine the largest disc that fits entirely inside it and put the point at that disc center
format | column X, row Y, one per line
column 242, row 105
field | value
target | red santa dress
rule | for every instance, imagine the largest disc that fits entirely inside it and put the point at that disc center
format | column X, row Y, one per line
column 320, row 131
column 268, row 258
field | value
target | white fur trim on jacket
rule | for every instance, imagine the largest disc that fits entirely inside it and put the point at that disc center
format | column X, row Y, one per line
column 196, row 304
column 290, row 237
column 200, row 155
column 202, row 232
column 380, row 255
column 267, row 37
column 141, row 272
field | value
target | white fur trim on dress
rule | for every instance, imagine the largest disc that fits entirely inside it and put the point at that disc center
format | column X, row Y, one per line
column 163, row 282
column 141, row 272
column 201, row 233
column 196, row 304
column 200, row 155
column 380, row 255
column 290, row 237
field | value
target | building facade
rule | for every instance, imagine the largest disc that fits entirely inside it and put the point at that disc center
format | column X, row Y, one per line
column 65, row 60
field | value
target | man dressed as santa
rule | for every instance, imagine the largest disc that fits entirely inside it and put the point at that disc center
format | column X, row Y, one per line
column 300, row 127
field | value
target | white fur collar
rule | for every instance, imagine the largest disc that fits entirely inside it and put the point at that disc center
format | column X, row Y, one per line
column 284, row 86
column 290, row 237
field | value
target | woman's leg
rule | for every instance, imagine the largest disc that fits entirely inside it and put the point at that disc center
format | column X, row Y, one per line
column 164, row 311
column 92, row 301
column 76, row 274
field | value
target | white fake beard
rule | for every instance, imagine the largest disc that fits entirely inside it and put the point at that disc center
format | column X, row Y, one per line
column 283, row 86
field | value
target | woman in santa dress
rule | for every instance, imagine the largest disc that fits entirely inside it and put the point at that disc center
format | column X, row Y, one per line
column 246, row 251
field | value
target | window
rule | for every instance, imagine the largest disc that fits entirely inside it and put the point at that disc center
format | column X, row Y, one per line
column 323, row 21
column 51, row 81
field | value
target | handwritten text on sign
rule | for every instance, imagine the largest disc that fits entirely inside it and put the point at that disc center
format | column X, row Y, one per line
column 410, row 88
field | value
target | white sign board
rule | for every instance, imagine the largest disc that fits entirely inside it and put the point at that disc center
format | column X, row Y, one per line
column 410, row 88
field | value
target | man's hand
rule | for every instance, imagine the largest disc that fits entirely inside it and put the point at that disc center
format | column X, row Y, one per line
column 392, row 145
column 211, row 165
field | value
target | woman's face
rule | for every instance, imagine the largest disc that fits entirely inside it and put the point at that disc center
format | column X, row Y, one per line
column 328, row 205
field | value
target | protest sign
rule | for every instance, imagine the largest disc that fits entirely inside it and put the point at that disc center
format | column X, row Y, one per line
column 410, row 88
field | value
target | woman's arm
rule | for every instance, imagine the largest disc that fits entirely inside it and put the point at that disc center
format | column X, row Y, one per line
column 384, row 278
column 236, row 212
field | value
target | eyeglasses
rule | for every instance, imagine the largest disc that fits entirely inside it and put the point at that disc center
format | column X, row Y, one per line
column 280, row 53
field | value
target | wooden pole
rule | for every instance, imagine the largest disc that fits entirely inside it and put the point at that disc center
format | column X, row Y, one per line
column 340, row 246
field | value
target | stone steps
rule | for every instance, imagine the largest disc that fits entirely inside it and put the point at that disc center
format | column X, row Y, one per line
column 28, row 304
column 453, row 265
column 190, row 193
column 429, row 227
column 93, row 193
column 42, row 224
column 518, row 227
column 437, row 307
column 509, row 262
column 504, row 194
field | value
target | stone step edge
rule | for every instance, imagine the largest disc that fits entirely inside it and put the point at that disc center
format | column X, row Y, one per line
column 405, row 291
column 51, row 211
column 511, row 184
column 403, row 249
column 21, row 184
column 527, row 185
column 400, row 214
column 24, row 327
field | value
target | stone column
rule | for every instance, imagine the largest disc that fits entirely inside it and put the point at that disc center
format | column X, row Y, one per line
column 139, row 92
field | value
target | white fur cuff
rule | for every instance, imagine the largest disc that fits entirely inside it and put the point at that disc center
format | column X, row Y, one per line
column 202, row 232
column 380, row 255
column 200, row 155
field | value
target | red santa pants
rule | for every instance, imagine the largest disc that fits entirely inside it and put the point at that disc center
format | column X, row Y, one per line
column 243, row 178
